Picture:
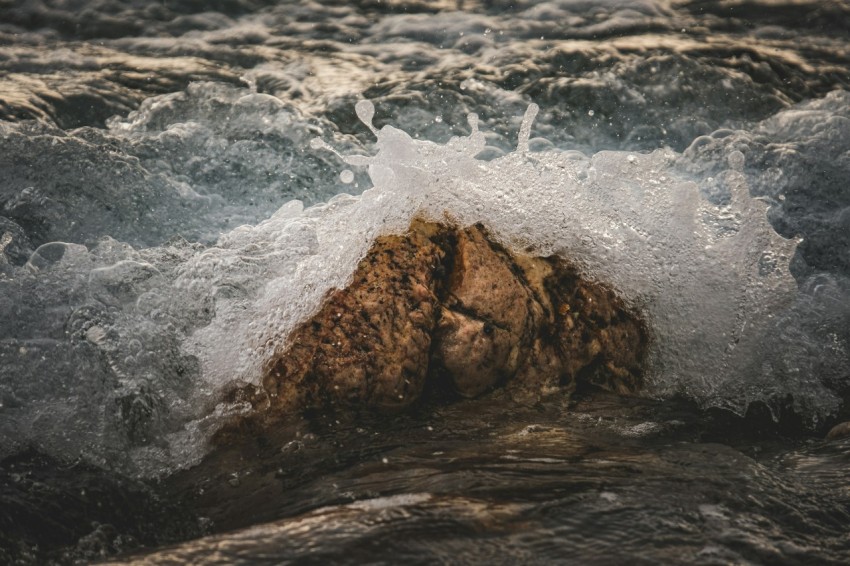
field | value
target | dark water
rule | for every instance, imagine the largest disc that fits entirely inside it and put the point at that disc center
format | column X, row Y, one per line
column 604, row 481
column 137, row 138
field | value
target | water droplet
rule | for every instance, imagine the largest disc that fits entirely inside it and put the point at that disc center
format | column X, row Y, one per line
column 318, row 143
column 525, row 127
column 590, row 112
column 366, row 112
column 346, row 176
column 438, row 118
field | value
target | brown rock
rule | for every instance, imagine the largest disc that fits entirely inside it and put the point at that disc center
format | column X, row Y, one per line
column 369, row 344
column 486, row 322
column 445, row 303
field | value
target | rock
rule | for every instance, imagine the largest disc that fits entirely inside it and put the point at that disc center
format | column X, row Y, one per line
column 451, row 305
column 370, row 342
column 487, row 317
column 841, row 430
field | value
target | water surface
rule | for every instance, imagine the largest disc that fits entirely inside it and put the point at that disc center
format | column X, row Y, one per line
column 163, row 212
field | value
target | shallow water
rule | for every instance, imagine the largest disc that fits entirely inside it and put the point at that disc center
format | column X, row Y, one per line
column 151, row 244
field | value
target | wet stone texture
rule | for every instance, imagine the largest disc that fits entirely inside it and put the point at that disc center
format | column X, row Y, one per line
column 450, row 308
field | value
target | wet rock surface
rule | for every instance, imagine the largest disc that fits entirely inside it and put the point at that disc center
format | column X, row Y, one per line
column 450, row 309
column 841, row 430
column 370, row 342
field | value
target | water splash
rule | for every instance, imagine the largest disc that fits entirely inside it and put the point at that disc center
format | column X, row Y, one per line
column 365, row 111
column 525, row 128
column 711, row 278
column 165, row 330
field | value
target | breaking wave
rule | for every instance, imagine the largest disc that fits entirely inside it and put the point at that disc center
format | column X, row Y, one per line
column 124, row 339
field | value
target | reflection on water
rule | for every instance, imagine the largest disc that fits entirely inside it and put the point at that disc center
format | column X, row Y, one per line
column 611, row 481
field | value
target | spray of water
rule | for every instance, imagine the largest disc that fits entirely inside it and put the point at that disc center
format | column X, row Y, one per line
column 164, row 330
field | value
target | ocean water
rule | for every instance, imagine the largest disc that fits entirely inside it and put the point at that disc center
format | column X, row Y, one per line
column 181, row 183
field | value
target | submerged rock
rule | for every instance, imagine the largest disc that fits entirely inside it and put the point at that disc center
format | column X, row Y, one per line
column 841, row 430
column 443, row 306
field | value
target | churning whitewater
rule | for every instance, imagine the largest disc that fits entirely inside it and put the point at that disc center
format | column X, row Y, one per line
column 696, row 255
